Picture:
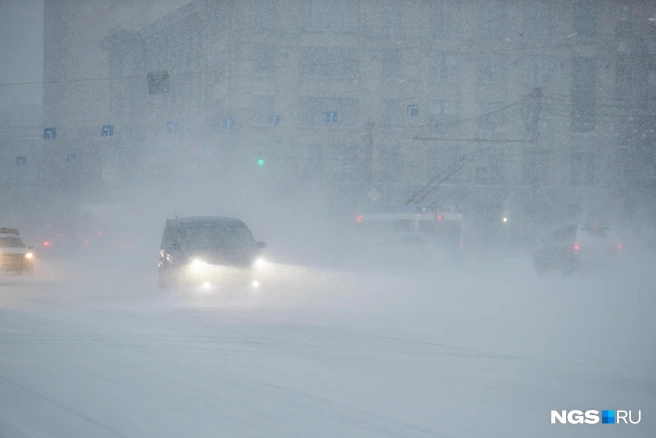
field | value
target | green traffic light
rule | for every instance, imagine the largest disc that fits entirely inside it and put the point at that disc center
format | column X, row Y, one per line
column 260, row 162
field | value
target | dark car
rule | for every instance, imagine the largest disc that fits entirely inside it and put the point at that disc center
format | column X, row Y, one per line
column 209, row 253
column 576, row 249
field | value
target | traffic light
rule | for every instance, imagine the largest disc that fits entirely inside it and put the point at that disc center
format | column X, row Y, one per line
column 260, row 162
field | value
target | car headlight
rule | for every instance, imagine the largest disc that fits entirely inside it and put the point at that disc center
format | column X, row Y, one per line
column 197, row 264
column 29, row 255
column 259, row 262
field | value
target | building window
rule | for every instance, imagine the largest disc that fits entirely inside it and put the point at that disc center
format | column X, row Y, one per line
column 492, row 116
column 444, row 68
column 623, row 164
column 390, row 113
column 309, row 162
column 446, row 18
column 584, row 80
column 228, row 123
column 329, row 62
column 341, row 162
column 440, row 162
column 490, row 68
column 264, row 60
column 392, row 16
column 412, row 110
column 585, row 18
column 624, row 12
column 492, row 18
column 582, row 169
column 489, row 166
column 392, row 64
column 443, row 112
column 535, row 167
column 539, row 20
column 331, row 117
column 341, row 16
column 266, row 14
column 321, row 111
column 623, row 77
column 263, row 108
column 274, row 120
column 538, row 70
column 389, row 159
column 651, row 90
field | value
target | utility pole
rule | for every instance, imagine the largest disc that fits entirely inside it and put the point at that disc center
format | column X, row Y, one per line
column 537, row 110
column 370, row 155
column 535, row 136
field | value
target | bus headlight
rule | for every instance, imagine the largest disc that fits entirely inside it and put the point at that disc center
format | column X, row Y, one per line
column 29, row 255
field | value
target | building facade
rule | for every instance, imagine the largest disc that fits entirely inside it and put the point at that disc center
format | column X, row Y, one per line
column 551, row 104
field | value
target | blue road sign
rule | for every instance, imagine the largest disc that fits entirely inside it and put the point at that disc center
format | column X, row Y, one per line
column 49, row 133
column 71, row 158
column 171, row 127
column 274, row 120
column 107, row 131
column 228, row 123
column 21, row 161
column 331, row 117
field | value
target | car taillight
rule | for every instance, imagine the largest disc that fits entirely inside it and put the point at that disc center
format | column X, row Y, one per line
column 619, row 246
column 46, row 243
column 439, row 217
column 576, row 247
column 358, row 218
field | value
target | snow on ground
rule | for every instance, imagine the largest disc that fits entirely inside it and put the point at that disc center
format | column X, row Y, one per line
column 483, row 348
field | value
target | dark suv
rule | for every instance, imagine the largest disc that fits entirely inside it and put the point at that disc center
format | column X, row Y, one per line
column 208, row 253
column 577, row 248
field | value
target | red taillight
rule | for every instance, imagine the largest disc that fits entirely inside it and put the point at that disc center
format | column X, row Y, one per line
column 100, row 233
column 46, row 243
column 86, row 242
column 439, row 217
column 576, row 247
column 358, row 218
column 619, row 246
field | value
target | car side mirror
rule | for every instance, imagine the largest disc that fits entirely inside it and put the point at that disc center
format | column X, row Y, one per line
column 261, row 245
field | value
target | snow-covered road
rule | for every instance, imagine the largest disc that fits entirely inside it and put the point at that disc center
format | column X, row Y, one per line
column 473, row 352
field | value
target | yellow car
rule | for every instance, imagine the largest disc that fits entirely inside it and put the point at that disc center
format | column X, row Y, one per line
column 15, row 256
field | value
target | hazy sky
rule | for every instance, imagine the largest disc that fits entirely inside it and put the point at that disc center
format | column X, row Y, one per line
column 21, row 51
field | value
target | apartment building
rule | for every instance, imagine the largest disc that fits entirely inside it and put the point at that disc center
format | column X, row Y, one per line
column 551, row 104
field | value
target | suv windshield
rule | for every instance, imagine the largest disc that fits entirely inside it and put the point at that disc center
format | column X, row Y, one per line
column 11, row 242
column 217, row 235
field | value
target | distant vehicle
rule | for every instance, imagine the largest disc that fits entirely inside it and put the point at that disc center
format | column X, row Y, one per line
column 410, row 233
column 577, row 249
column 209, row 253
column 15, row 256
column 91, row 229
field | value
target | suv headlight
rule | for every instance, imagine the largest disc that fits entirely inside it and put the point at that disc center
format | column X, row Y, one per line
column 259, row 262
